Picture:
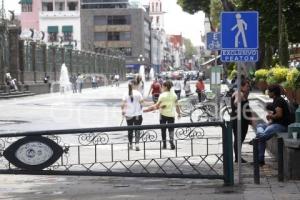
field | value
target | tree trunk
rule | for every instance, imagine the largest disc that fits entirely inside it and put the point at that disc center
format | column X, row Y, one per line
column 261, row 52
column 227, row 5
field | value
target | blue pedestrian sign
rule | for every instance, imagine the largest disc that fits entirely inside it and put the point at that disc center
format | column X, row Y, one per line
column 213, row 41
column 239, row 36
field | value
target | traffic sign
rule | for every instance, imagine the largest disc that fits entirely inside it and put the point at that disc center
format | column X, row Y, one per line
column 213, row 41
column 239, row 36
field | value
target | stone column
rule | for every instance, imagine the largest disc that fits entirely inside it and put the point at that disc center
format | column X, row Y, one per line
column 33, row 56
column 3, row 66
column 53, row 52
column 62, row 54
column 21, row 61
column 70, row 54
column 14, row 67
column 44, row 57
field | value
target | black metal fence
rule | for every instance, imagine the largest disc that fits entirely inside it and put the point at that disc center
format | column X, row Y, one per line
column 199, row 152
column 39, row 60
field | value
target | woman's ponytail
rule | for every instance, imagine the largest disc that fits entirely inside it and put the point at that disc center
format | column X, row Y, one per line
column 130, row 91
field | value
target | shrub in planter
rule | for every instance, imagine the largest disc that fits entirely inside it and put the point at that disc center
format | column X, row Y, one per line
column 277, row 75
column 260, row 79
column 293, row 82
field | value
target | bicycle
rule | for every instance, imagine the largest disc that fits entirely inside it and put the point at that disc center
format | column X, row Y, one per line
column 187, row 105
column 207, row 111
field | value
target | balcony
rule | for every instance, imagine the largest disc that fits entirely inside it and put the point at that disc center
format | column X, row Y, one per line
column 54, row 14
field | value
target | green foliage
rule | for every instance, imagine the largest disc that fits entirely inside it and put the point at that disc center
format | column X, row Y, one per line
column 193, row 6
column 293, row 79
column 277, row 75
column 190, row 50
column 230, row 68
column 233, row 74
column 261, row 74
column 215, row 9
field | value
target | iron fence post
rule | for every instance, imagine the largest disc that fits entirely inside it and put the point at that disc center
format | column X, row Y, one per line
column 228, row 154
column 280, row 160
column 256, row 162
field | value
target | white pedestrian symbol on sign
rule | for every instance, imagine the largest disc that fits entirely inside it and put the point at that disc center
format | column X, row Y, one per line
column 241, row 25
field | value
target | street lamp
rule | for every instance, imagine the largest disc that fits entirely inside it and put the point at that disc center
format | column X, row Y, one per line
column 141, row 58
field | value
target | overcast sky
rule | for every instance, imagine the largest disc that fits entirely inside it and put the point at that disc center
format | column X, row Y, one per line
column 176, row 21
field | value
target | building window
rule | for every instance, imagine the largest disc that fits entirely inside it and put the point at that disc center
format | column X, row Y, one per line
column 52, row 33
column 152, row 7
column 119, row 20
column 160, row 9
column 26, row 8
column 126, row 50
column 60, row 6
column 113, row 36
column 100, row 36
column 118, row 36
column 72, row 6
column 47, row 6
column 52, row 37
column 68, row 33
column 100, row 20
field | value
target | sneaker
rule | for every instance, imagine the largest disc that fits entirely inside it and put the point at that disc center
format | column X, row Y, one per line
column 242, row 160
column 172, row 145
column 137, row 148
column 262, row 163
column 164, row 145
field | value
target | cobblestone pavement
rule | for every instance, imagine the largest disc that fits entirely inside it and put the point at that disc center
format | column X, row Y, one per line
column 101, row 107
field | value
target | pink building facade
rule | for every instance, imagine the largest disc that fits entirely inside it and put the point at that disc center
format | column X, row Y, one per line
column 30, row 14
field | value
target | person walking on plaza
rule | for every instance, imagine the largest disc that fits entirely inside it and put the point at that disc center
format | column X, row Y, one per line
column 73, row 80
column 187, row 87
column 200, row 87
column 245, row 116
column 132, row 111
column 117, row 77
column 278, row 121
column 167, row 102
column 155, row 90
column 177, row 87
column 79, row 82
column 140, row 84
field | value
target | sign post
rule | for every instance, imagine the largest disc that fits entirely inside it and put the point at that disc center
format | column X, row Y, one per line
column 239, row 38
column 213, row 43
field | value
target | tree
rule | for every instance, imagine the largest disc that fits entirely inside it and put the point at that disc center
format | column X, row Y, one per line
column 284, row 45
column 193, row 6
column 190, row 50
column 215, row 10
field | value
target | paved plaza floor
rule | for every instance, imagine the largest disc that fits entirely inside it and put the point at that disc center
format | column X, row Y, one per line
column 101, row 108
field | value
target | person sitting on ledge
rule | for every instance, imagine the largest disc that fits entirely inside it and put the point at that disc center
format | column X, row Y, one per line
column 278, row 120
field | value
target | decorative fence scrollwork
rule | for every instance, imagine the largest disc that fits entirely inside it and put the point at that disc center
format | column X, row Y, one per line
column 148, row 136
column 93, row 138
column 191, row 132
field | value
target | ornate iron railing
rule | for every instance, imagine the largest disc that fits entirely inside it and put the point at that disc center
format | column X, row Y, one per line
column 106, row 152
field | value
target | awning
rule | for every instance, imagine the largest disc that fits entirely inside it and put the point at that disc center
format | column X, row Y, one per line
column 25, row 2
column 52, row 29
column 67, row 29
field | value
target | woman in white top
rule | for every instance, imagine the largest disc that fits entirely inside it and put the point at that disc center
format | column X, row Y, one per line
column 132, row 111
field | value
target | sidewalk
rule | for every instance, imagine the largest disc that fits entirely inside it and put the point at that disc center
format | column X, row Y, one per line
column 23, row 187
